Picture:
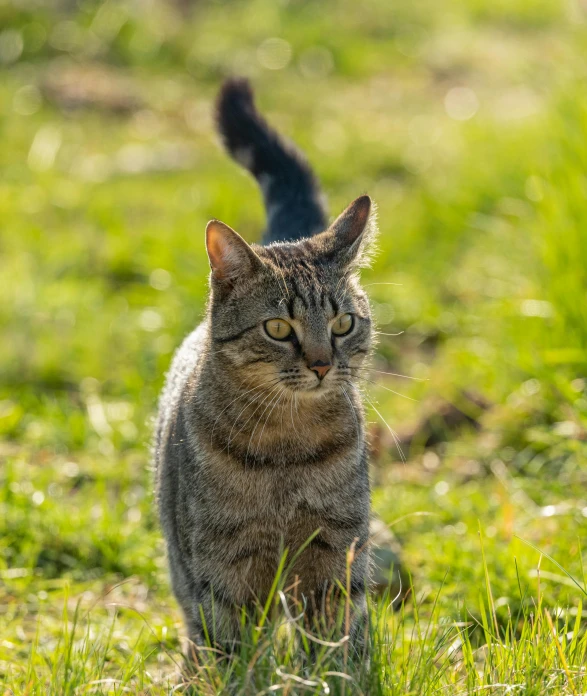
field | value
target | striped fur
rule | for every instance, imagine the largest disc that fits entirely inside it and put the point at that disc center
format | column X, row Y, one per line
column 254, row 453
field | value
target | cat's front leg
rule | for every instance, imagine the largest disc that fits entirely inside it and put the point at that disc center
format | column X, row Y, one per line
column 216, row 621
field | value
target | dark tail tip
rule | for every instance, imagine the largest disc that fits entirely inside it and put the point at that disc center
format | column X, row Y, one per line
column 236, row 94
column 236, row 113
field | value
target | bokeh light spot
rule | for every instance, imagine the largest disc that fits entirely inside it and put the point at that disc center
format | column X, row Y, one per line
column 461, row 103
column 274, row 54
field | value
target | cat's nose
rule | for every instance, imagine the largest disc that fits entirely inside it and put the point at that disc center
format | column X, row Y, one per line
column 320, row 368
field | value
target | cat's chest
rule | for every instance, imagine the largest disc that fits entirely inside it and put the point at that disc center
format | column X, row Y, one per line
column 285, row 493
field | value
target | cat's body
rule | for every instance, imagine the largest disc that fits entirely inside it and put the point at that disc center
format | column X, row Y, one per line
column 260, row 438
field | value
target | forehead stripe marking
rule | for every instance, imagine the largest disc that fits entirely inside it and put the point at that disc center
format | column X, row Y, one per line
column 297, row 293
column 302, row 299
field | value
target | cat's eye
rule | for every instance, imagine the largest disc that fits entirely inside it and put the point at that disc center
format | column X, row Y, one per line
column 342, row 325
column 278, row 329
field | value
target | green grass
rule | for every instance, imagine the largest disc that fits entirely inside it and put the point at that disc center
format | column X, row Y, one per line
column 467, row 122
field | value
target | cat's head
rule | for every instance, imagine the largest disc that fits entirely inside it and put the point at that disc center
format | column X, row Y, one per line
column 292, row 314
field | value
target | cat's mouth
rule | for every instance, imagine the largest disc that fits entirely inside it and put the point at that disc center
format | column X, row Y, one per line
column 318, row 388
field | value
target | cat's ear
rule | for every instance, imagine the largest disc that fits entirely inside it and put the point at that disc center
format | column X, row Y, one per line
column 230, row 256
column 351, row 235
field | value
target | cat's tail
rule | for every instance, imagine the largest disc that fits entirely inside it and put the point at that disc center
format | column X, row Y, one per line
column 295, row 206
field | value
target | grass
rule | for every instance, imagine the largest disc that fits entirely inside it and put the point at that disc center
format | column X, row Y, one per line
column 467, row 123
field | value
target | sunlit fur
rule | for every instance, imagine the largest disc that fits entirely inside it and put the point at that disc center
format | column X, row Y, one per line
column 254, row 452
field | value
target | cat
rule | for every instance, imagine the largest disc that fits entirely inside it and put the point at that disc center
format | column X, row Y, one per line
column 260, row 438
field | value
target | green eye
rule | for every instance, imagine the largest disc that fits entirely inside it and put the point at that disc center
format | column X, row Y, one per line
column 278, row 329
column 342, row 325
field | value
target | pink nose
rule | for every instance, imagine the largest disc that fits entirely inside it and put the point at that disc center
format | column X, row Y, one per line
column 320, row 368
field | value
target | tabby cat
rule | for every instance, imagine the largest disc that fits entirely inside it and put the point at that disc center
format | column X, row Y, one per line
column 260, row 439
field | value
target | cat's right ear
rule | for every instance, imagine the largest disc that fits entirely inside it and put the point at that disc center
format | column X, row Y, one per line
column 230, row 256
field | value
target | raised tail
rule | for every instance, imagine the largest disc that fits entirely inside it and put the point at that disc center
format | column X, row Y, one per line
column 295, row 206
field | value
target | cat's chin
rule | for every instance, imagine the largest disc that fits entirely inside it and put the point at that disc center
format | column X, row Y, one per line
column 317, row 391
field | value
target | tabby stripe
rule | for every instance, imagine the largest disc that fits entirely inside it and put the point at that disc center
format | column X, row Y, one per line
column 235, row 337
column 303, row 301
column 238, row 453
column 321, row 543
column 265, row 359
column 258, row 551
column 297, row 292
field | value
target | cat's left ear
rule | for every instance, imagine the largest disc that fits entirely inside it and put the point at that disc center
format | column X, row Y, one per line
column 350, row 237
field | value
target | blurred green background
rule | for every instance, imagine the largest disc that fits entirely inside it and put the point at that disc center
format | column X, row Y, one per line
column 465, row 120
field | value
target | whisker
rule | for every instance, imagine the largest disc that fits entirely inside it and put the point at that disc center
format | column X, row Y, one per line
column 240, row 396
column 291, row 410
column 297, row 407
column 230, row 439
column 394, row 435
column 260, row 437
column 263, row 402
column 257, row 424
column 346, row 396
column 387, row 389
column 382, row 333
column 369, row 284
column 249, row 403
column 275, row 393
column 281, row 441
column 392, row 374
